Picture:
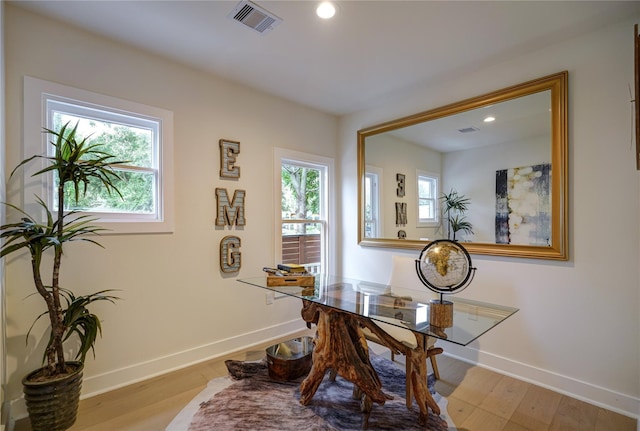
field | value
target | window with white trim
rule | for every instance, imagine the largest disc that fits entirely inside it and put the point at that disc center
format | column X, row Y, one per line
column 139, row 135
column 428, row 189
column 303, row 215
column 372, row 213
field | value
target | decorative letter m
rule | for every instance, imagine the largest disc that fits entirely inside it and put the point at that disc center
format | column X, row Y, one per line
column 230, row 214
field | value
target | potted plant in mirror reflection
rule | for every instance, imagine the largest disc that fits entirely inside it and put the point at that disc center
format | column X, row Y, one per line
column 75, row 164
column 454, row 206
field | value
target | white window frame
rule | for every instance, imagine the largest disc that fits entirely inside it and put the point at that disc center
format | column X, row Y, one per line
column 376, row 172
column 422, row 222
column 326, row 166
column 38, row 92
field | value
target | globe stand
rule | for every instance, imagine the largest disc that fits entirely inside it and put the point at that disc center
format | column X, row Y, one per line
column 447, row 269
column 441, row 313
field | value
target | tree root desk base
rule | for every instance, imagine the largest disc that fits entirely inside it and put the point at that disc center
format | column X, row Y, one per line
column 340, row 346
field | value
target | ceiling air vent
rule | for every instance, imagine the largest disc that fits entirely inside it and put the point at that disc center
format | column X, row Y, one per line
column 468, row 129
column 254, row 17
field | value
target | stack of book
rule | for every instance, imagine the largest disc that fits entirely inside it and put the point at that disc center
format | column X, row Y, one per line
column 289, row 275
column 292, row 269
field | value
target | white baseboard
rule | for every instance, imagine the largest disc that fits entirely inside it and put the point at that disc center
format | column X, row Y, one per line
column 115, row 379
column 95, row 385
column 602, row 397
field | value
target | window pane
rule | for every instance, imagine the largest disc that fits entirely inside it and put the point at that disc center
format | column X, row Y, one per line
column 371, row 205
column 427, row 199
column 127, row 143
column 369, row 228
column 368, row 198
column 425, row 210
column 300, row 192
column 425, row 188
column 137, row 189
column 302, row 244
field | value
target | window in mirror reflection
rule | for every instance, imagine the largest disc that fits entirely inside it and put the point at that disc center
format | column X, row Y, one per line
column 372, row 222
column 428, row 193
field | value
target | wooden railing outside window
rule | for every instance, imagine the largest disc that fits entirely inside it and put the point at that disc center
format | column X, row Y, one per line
column 302, row 249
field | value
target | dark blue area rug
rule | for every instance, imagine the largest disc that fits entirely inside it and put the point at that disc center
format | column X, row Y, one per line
column 252, row 401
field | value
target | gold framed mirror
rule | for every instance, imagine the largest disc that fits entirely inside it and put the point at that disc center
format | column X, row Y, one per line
column 486, row 163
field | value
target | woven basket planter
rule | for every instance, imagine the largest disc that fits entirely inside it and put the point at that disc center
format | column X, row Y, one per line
column 53, row 404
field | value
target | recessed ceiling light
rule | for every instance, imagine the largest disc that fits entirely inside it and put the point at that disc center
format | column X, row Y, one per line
column 326, row 10
column 489, row 119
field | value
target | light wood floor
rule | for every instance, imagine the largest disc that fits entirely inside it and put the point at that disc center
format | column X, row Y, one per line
column 479, row 400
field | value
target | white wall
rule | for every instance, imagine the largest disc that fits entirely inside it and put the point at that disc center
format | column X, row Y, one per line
column 177, row 307
column 577, row 328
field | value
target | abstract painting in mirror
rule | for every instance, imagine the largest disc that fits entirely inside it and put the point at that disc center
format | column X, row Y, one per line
column 505, row 152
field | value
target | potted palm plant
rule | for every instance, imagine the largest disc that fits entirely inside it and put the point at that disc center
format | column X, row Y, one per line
column 75, row 162
column 455, row 205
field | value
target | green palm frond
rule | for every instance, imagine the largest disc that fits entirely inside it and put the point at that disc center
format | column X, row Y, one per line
column 454, row 205
column 460, row 223
column 455, row 201
column 78, row 320
column 38, row 237
column 77, row 163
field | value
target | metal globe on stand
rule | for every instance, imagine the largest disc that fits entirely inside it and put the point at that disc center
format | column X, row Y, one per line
column 445, row 267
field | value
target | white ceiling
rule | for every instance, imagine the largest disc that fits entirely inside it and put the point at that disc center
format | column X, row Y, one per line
column 516, row 121
column 368, row 51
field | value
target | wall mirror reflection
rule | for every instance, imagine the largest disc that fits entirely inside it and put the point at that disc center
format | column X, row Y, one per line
column 504, row 152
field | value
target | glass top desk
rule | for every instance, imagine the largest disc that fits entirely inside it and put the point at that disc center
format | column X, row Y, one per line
column 395, row 306
column 342, row 307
